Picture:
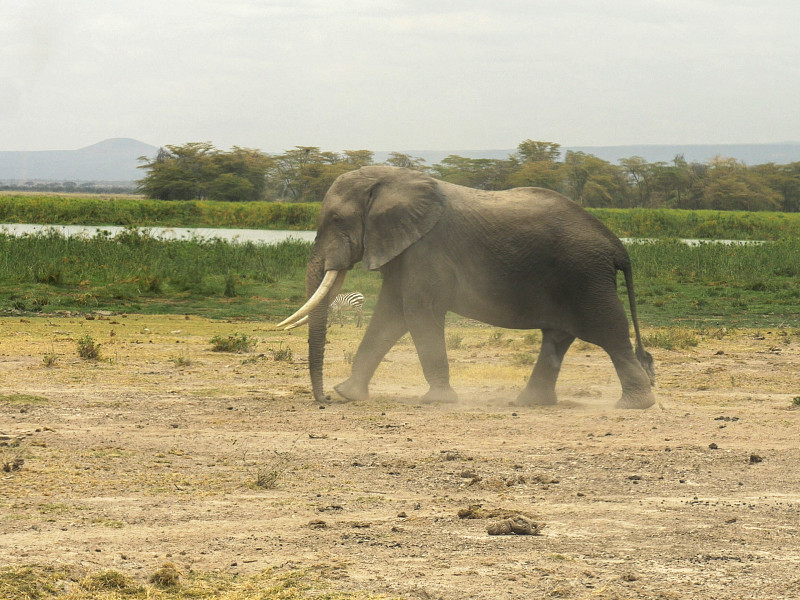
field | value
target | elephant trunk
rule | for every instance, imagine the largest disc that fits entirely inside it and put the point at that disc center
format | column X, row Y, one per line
column 317, row 327
column 322, row 285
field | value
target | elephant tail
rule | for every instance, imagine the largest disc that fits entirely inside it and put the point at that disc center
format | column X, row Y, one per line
column 642, row 355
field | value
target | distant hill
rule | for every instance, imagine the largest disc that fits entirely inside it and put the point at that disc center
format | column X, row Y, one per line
column 113, row 160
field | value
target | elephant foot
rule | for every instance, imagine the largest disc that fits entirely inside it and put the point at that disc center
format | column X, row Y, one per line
column 352, row 392
column 529, row 397
column 639, row 400
column 440, row 396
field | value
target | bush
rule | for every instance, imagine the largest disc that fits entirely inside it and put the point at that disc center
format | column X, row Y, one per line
column 237, row 342
column 88, row 349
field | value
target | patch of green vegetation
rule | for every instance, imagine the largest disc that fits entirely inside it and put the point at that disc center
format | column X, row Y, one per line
column 22, row 399
column 676, row 284
column 673, row 338
column 88, row 349
column 664, row 223
column 282, row 353
column 141, row 212
column 454, row 341
column 716, row 285
column 235, row 342
column 135, row 272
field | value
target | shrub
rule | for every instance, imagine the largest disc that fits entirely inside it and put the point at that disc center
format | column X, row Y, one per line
column 282, row 353
column 88, row 349
column 455, row 341
column 237, row 342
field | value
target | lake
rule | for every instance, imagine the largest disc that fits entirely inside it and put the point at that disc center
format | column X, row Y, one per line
column 260, row 236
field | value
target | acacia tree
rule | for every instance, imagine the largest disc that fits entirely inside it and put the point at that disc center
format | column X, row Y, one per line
column 537, row 166
column 730, row 185
column 399, row 159
column 179, row 172
column 198, row 171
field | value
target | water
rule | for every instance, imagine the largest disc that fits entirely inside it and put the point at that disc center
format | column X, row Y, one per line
column 259, row 236
column 696, row 242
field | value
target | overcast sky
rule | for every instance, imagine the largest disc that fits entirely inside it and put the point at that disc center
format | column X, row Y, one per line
column 398, row 75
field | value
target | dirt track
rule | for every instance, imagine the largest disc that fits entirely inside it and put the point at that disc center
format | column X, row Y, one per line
column 146, row 458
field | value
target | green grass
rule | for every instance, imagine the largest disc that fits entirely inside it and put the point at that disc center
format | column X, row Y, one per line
column 134, row 211
column 141, row 212
column 699, row 224
column 236, row 342
column 137, row 273
column 747, row 286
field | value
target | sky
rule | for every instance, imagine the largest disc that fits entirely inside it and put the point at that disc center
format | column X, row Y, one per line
column 398, row 75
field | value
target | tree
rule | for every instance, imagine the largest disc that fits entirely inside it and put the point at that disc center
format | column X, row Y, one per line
column 479, row 173
column 784, row 179
column 592, row 181
column 532, row 151
column 179, row 172
column 243, row 173
column 640, row 176
column 398, row 159
column 197, row 170
column 536, row 165
column 358, row 158
column 731, row 186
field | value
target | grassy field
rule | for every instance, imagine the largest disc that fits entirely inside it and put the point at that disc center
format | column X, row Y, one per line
column 142, row 212
column 137, row 211
column 711, row 284
column 699, row 224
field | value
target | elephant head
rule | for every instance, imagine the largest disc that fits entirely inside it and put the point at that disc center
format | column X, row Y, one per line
column 370, row 215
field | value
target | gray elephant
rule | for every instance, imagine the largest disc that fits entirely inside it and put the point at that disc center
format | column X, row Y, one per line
column 526, row 258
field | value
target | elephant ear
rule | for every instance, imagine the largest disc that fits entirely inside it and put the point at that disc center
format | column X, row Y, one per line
column 404, row 206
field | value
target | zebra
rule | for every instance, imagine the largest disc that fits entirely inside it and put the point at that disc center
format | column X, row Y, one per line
column 350, row 301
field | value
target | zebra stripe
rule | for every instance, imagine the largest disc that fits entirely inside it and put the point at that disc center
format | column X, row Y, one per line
column 350, row 301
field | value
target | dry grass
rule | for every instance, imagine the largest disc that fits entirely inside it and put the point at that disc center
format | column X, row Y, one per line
column 38, row 582
column 167, row 449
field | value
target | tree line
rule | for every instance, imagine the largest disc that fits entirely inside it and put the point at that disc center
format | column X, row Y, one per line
column 198, row 171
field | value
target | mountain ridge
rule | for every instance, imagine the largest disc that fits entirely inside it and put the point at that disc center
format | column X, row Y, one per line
column 116, row 159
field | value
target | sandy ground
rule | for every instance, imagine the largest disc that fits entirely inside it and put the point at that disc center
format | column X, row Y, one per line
column 165, row 450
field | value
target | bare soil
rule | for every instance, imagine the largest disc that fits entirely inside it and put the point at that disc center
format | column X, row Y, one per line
column 218, row 462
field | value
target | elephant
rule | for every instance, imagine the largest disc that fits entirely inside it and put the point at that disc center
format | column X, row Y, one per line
column 525, row 258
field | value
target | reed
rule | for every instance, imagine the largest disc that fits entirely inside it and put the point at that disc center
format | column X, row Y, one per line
column 676, row 284
column 132, row 211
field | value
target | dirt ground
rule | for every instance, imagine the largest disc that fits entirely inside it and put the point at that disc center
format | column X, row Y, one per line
column 220, row 462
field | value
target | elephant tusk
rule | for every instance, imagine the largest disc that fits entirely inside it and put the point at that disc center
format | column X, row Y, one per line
column 296, row 324
column 316, row 298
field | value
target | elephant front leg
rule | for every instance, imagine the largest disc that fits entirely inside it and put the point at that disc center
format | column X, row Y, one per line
column 385, row 328
column 541, row 387
column 427, row 331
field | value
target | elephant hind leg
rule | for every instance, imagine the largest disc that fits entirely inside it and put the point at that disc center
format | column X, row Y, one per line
column 541, row 387
column 636, row 392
